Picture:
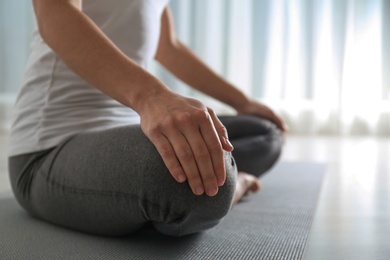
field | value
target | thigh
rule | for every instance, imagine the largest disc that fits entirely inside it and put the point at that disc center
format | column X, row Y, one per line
column 257, row 142
column 105, row 182
column 109, row 182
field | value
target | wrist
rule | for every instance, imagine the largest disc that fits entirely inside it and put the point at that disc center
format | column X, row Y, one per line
column 240, row 102
column 150, row 94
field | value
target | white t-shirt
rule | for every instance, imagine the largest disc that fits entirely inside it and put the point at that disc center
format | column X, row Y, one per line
column 54, row 103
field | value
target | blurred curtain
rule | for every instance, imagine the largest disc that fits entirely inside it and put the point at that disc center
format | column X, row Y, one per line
column 323, row 64
column 16, row 25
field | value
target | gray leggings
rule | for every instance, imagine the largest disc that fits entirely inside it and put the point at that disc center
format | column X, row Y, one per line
column 113, row 182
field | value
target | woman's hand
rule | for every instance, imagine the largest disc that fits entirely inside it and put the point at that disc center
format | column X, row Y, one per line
column 190, row 138
column 252, row 107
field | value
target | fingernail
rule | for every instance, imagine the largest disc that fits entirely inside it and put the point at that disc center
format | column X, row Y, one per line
column 212, row 190
column 181, row 178
column 199, row 190
column 228, row 142
column 220, row 181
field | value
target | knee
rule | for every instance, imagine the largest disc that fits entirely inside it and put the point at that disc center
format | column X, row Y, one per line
column 265, row 134
column 203, row 212
column 267, row 128
column 275, row 140
column 218, row 206
column 259, row 147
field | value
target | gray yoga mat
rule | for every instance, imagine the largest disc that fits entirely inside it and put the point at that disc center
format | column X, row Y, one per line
column 273, row 224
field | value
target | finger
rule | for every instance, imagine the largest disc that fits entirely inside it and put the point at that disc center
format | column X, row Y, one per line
column 168, row 155
column 280, row 123
column 275, row 119
column 222, row 132
column 187, row 160
column 211, row 138
column 202, row 157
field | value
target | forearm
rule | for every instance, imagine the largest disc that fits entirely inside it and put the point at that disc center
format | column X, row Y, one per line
column 87, row 51
column 185, row 65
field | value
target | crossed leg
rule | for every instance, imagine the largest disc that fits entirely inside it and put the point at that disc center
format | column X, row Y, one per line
column 257, row 145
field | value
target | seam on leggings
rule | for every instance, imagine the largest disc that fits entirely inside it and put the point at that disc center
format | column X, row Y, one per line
column 27, row 174
column 111, row 193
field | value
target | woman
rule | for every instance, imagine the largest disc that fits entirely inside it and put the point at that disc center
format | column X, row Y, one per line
column 100, row 145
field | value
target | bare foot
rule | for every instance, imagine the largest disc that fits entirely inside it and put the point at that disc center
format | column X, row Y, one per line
column 245, row 183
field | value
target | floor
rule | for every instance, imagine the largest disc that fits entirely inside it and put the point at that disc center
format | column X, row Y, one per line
column 352, row 219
